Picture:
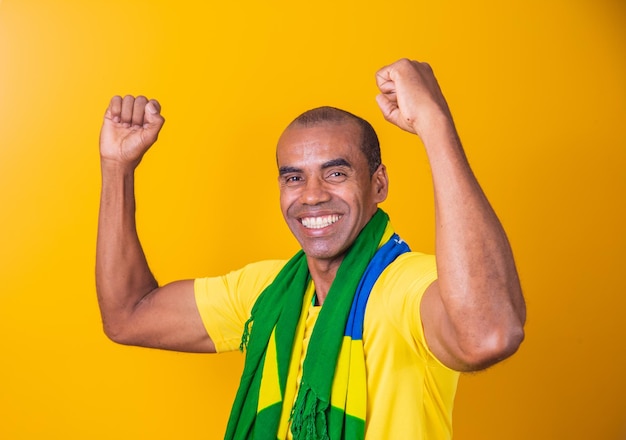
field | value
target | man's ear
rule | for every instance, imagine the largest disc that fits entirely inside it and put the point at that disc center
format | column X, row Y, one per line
column 380, row 184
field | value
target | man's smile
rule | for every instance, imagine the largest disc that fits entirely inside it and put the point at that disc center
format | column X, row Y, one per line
column 319, row 222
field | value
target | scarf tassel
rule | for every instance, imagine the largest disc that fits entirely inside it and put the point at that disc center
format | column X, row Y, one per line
column 308, row 418
column 246, row 335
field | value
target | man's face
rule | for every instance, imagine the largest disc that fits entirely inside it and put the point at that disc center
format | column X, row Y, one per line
column 326, row 192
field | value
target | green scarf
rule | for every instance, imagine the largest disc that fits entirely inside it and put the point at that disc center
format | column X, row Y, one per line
column 275, row 317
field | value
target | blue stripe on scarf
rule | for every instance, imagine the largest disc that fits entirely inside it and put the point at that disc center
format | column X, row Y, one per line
column 383, row 257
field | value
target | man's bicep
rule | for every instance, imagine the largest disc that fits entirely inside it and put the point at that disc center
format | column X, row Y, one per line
column 168, row 318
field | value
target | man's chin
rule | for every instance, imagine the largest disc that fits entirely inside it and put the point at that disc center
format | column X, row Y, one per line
column 323, row 253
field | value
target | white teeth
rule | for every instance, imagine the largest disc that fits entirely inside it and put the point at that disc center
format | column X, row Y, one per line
column 319, row 222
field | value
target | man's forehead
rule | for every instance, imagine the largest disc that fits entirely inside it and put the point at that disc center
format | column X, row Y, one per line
column 316, row 152
column 320, row 137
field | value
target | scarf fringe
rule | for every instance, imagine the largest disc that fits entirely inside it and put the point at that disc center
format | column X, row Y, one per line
column 246, row 335
column 309, row 413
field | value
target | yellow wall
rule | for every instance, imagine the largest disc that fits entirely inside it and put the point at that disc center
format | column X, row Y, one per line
column 538, row 89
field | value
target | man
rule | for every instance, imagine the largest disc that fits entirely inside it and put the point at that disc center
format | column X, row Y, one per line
column 319, row 363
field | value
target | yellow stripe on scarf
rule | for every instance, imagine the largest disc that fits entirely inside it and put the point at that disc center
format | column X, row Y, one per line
column 269, row 392
column 350, row 382
column 291, row 388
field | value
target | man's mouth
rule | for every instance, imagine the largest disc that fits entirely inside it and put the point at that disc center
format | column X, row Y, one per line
column 319, row 222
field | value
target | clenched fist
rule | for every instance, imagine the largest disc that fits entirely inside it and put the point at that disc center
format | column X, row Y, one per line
column 131, row 125
column 410, row 96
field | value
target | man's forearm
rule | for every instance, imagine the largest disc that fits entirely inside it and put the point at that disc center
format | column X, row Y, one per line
column 478, row 280
column 123, row 277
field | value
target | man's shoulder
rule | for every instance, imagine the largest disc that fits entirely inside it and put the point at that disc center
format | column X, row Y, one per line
column 260, row 272
column 409, row 269
column 414, row 260
column 265, row 266
column 253, row 275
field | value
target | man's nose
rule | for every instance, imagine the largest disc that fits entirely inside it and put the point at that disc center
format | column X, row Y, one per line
column 314, row 192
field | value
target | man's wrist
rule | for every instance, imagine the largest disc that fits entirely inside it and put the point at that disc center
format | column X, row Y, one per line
column 113, row 166
column 435, row 128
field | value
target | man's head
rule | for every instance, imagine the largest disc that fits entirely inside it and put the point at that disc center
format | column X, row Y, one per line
column 331, row 180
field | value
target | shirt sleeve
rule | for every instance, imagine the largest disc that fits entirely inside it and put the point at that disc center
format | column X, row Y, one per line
column 225, row 302
column 405, row 282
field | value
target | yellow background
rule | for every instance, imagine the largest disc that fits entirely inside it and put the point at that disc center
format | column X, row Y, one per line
column 538, row 90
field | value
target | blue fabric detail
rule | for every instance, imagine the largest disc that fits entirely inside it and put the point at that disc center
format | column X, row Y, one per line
column 383, row 258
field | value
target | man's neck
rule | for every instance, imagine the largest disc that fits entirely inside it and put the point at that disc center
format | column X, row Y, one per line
column 323, row 273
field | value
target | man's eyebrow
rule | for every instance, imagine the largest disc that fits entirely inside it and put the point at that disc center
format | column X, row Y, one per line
column 340, row 162
column 336, row 163
column 287, row 169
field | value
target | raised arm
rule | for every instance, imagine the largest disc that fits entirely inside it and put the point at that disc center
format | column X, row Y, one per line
column 474, row 314
column 135, row 310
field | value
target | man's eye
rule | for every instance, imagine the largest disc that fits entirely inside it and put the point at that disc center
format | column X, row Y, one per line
column 290, row 180
column 337, row 176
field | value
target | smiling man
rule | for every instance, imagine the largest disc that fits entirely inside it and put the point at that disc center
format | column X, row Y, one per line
column 355, row 336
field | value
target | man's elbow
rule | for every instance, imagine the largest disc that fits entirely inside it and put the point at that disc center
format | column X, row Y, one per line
column 118, row 332
column 493, row 347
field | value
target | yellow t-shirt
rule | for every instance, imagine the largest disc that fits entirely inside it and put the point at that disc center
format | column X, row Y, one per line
column 410, row 394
